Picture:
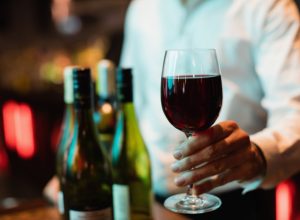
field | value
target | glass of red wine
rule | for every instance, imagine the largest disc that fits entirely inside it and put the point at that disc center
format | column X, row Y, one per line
column 191, row 97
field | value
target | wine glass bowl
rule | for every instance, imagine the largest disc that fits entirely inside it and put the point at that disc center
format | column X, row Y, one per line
column 191, row 102
column 191, row 97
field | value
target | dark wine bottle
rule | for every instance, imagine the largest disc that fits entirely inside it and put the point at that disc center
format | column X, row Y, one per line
column 66, row 130
column 132, row 187
column 87, row 181
column 106, row 103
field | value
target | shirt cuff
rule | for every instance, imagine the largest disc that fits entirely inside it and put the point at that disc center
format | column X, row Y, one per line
column 268, row 146
column 251, row 184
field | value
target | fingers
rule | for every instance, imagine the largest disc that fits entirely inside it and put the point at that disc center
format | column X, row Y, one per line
column 217, row 156
column 222, row 129
column 236, row 173
column 205, row 138
column 235, row 141
column 213, row 168
column 51, row 190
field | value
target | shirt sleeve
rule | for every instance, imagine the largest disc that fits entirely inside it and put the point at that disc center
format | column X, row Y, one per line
column 278, row 67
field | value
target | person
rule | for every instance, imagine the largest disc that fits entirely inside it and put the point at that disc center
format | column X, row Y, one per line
column 255, row 142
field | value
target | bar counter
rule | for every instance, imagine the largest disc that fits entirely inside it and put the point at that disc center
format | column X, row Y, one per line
column 41, row 210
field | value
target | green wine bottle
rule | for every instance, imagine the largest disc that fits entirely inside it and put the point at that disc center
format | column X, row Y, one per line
column 87, row 182
column 106, row 103
column 132, row 187
column 66, row 130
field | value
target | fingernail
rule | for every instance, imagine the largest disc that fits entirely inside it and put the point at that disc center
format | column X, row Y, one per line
column 175, row 167
column 177, row 155
column 179, row 180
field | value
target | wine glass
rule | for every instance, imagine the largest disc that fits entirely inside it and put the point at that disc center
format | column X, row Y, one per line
column 191, row 97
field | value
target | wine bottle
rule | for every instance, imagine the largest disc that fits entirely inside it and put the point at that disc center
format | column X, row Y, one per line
column 132, row 187
column 87, row 181
column 106, row 103
column 66, row 130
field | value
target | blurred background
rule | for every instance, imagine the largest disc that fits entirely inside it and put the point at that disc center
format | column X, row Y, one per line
column 38, row 38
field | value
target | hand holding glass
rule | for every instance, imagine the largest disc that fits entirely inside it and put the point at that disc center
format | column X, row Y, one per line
column 191, row 96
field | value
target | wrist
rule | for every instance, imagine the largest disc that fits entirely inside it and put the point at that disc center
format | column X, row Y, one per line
column 261, row 160
column 257, row 179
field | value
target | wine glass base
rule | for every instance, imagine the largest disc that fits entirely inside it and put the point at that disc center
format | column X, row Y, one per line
column 200, row 204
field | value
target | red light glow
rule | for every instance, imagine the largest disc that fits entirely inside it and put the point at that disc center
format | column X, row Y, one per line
column 8, row 111
column 18, row 128
column 3, row 160
column 284, row 200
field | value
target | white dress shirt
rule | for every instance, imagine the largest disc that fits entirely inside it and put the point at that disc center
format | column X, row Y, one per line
column 257, row 43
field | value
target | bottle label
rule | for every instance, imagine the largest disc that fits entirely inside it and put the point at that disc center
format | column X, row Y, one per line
column 121, row 202
column 104, row 214
column 60, row 202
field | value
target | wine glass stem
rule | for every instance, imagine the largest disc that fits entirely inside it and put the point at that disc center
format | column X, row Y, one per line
column 191, row 191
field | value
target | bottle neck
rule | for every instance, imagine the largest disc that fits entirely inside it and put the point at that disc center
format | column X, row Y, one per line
column 127, row 109
column 83, row 99
column 84, row 119
column 125, row 93
column 126, row 101
column 69, row 107
column 106, row 79
column 127, row 106
column 68, row 85
column 69, row 114
column 126, row 96
column 84, row 110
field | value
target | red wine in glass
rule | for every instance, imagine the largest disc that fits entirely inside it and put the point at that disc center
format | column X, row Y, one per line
column 191, row 103
column 191, row 98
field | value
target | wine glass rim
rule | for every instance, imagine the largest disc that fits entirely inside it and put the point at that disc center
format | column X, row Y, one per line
column 191, row 49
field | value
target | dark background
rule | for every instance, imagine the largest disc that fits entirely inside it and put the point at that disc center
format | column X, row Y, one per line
column 30, row 42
